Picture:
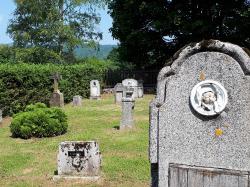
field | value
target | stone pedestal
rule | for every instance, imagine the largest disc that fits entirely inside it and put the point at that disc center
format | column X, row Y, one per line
column 128, row 103
column 79, row 160
column 77, row 100
column 118, row 93
column 57, row 99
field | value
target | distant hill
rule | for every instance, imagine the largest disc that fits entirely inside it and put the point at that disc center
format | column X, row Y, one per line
column 100, row 53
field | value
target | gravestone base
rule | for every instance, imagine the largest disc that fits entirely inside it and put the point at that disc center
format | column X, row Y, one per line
column 95, row 97
column 57, row 99
column 69, row 178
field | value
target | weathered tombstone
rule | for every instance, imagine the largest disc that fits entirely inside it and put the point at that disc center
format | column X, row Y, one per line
column 56, row 99
column 118, row 93
column 199, row 120
column 79, row 160
column 140, row 89
column 77, row 100
column 131, row 83
column 128, row 103
column 1, row 116
column 95, row 90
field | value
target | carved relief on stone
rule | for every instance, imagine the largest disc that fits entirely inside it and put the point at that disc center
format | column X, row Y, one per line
column 209, row 98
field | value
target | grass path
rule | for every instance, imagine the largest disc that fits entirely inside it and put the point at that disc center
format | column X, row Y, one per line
column 125, row 154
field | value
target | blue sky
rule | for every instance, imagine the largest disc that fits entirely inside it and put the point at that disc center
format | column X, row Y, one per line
column 7, row 7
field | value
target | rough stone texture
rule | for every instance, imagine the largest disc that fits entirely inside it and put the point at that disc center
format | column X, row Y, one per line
column 79, row 159
column 178, row 134
column 77, row 100
column 95, row 89
column 56, row 99
column 118, row 93
column 128, row 103
column 131, row 83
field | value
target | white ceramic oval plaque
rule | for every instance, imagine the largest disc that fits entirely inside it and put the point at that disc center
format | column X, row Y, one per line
column 209, row 98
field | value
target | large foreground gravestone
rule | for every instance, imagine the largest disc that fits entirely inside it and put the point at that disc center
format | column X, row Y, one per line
column 200, row 118
column 79, row 160
column 133, row 84
column 95, row 90
column 57, row 99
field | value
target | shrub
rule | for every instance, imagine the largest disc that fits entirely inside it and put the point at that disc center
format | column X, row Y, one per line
column 39, row 121
column 23, row 84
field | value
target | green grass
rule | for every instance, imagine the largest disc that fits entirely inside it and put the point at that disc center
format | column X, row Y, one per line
column 125, row 153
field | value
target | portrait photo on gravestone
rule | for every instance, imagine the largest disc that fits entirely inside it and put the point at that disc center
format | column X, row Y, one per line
column 124, row 93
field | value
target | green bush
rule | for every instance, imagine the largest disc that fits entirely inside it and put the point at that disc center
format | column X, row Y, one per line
column 39, row 121
column 24, row 84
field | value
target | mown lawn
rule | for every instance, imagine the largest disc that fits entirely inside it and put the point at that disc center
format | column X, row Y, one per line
column 125, row 154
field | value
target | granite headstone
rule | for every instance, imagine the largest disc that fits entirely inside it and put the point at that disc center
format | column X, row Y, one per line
column 200, row 116
column 79, row 160
column 118, row 93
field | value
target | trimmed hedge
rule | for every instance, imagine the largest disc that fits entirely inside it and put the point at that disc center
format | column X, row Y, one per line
column 23, row 84
column 39, row 121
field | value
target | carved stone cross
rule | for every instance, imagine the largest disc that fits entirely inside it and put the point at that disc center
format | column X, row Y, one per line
column 56, row 77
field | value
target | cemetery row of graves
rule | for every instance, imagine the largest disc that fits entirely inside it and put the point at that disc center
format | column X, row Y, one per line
column 198, row 132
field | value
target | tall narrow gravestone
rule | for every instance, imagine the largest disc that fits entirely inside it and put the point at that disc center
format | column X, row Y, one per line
column 200, row 118
column 95, row 90
column 79, row 160
column 128, row 103
column 56, row 99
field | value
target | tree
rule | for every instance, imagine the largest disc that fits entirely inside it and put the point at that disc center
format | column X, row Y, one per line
column 141, row 26
column 58, row 25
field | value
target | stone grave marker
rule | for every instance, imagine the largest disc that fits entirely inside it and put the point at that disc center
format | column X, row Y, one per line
column 118, row 93
column 79, row 160
column 128, row 103
column 95, row 90
column 56, row 99
column 1, row 116
column 200, row 118
column 77, row 100
column 140, row 89
column 131, row 83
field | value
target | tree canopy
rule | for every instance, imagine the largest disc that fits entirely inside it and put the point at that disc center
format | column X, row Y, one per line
column 151, row 31
column 54, row 24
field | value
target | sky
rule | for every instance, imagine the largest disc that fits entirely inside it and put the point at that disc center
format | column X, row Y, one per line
column 7, row 7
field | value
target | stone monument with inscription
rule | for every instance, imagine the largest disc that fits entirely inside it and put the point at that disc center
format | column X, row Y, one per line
column 200, row 118
column 79, row 160
column 131, row 83
column 95, row 90
column 56, row 99
column 128, row 103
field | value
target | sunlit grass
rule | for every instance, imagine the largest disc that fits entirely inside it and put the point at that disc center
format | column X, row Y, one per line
column 125, row 153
